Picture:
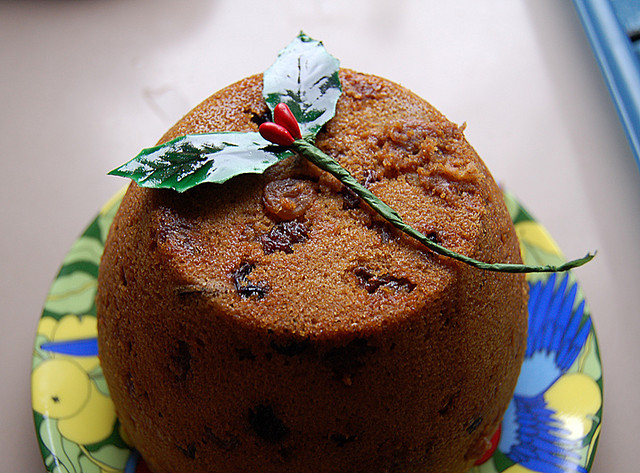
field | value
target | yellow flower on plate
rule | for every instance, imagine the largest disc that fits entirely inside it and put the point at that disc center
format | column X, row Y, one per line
column 536, row 235
column 93, row 423
column 62, row 385
column 576, row 399
column 60, row 388
column 536, row 245
column 72, row 327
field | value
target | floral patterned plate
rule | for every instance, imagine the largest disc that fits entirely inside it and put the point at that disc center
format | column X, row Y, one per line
column 551, row 426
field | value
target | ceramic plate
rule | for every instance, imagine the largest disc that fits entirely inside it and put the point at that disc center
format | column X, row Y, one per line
column 551, row 426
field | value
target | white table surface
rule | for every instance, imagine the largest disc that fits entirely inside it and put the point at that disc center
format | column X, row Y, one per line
column 85, row 84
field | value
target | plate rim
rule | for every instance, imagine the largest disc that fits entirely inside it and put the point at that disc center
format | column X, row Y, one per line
column 97, row 230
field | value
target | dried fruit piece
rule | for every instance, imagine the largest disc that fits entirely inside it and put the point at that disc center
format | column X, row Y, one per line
column 189, row 451
column 266, row 424
column 246, row 288
column 180, row 361
column 288, row 198
column 346, row 361
column 225, row 441
column 350, row 199
column 341, row 439
column 283, row 236
column 372, row 282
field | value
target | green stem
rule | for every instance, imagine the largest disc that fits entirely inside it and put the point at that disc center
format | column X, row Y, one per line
column 327, row 163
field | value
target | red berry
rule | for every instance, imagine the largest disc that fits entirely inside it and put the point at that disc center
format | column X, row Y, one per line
column 283, row 115
column 276, row 134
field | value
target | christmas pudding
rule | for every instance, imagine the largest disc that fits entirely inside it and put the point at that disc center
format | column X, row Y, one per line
column 275, row 318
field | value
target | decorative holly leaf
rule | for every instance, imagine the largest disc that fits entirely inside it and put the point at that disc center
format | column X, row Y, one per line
column 305, row 77
column 189, row 160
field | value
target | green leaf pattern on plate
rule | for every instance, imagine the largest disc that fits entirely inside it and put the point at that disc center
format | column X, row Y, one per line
column 77, row 428
column 68, row 314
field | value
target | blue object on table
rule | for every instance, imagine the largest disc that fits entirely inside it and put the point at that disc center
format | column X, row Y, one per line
column 628, row 14
column 619, row 63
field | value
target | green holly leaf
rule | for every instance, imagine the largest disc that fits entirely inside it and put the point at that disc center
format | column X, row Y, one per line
column 189, row 160
column 305, row 77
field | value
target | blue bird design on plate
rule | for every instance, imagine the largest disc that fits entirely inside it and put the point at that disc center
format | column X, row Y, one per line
column 546, row 428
